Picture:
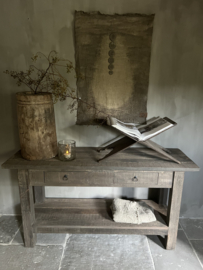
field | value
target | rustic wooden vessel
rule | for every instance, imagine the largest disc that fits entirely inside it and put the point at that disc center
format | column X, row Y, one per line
column 36, row 124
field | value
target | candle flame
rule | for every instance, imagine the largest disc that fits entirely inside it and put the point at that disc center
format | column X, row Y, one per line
column 67, row 152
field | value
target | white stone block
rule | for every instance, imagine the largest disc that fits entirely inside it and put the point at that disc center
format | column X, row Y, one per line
column 125, row 211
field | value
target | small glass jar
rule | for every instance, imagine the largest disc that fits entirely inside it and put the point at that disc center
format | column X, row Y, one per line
column 66, row 150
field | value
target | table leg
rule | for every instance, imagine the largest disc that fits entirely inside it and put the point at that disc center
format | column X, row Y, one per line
column 174, row 209
column 39, row 194
column 27, row 208
column 163, row 196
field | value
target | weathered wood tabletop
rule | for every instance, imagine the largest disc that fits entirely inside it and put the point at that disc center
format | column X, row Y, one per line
column 141, row 159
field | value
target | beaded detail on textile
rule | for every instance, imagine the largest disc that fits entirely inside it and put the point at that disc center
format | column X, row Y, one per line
column 112, row 46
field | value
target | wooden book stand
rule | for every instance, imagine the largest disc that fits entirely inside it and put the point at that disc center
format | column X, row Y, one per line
column 127, row 141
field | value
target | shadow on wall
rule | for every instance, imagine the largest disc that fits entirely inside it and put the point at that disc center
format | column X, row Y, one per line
column 84, row 135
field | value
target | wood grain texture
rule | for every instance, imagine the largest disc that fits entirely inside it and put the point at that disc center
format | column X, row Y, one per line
column 88, row 216
column 159, row 208
column 101, row 178
column 36, row 125
column 36, row 177
column 165, row 179
column 27, row 208
column 58, row 203
column 39, row 194
column 155, row 147
column 127, row 141
column 174, row 209
column 124, row 93
column 133, row 178
column 131, row 159
column 163, row 196
column 117, row 146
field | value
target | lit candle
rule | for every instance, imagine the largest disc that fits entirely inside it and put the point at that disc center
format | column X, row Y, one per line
column 66, row 150
column 67, row 154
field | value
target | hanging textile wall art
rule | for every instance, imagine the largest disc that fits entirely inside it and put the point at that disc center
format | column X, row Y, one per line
column 113, row 56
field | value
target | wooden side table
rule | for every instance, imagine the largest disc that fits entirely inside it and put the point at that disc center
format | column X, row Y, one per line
column 134, row 167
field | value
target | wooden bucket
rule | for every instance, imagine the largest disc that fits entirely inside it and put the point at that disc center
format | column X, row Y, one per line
column 36, row 124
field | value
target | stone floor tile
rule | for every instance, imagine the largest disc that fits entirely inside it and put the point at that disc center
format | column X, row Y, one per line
column 42, row 238
column 37, row 258
column 9, row 226
column 179, row 226
column 198, row 247
column 107, row 252
column 193, row 228
column 182, row 257
column 51, row 239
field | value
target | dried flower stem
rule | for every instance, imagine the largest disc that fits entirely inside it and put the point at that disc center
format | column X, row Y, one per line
column 50, row 80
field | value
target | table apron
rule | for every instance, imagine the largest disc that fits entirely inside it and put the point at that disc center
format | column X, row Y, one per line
column 101, row 178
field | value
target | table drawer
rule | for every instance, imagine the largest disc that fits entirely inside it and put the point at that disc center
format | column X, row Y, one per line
column 99, row 178
column 136, row 178
column 143, row 179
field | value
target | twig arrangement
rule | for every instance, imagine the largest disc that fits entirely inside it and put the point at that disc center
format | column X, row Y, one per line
column 45, row 80
column 51, row 80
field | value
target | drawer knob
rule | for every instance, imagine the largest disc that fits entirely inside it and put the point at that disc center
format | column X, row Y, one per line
column 65, row 177
column 135, row 179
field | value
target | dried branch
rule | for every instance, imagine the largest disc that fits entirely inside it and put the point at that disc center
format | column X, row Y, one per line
column 51, row 80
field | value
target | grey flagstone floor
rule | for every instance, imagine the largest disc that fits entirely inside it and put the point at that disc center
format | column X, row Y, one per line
column 100, row 252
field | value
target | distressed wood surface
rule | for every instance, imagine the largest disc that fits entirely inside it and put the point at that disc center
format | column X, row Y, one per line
column 174, row 209
column 124, row 93
column 27, row 208
column 163, row 196
column 165, row 179
column 36, row 125
column 156, row 147
column 58, row 203
column 101, row 178
column 39, row 193
column 117, row 147
column 159, row 208
column 134, row 159
column 128, row 141
column 89, row 216
column 137, row 177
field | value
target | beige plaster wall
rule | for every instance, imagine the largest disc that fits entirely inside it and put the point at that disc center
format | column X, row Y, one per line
column 175, row 89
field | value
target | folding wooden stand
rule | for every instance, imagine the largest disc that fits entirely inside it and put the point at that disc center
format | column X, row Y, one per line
column 127, row 141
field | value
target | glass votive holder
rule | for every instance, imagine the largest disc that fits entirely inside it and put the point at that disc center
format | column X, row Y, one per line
column 66, row 150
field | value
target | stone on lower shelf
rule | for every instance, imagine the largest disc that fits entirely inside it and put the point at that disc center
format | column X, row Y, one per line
column 125, row 211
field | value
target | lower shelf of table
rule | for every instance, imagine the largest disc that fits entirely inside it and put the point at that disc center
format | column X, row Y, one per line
column 91, row 216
